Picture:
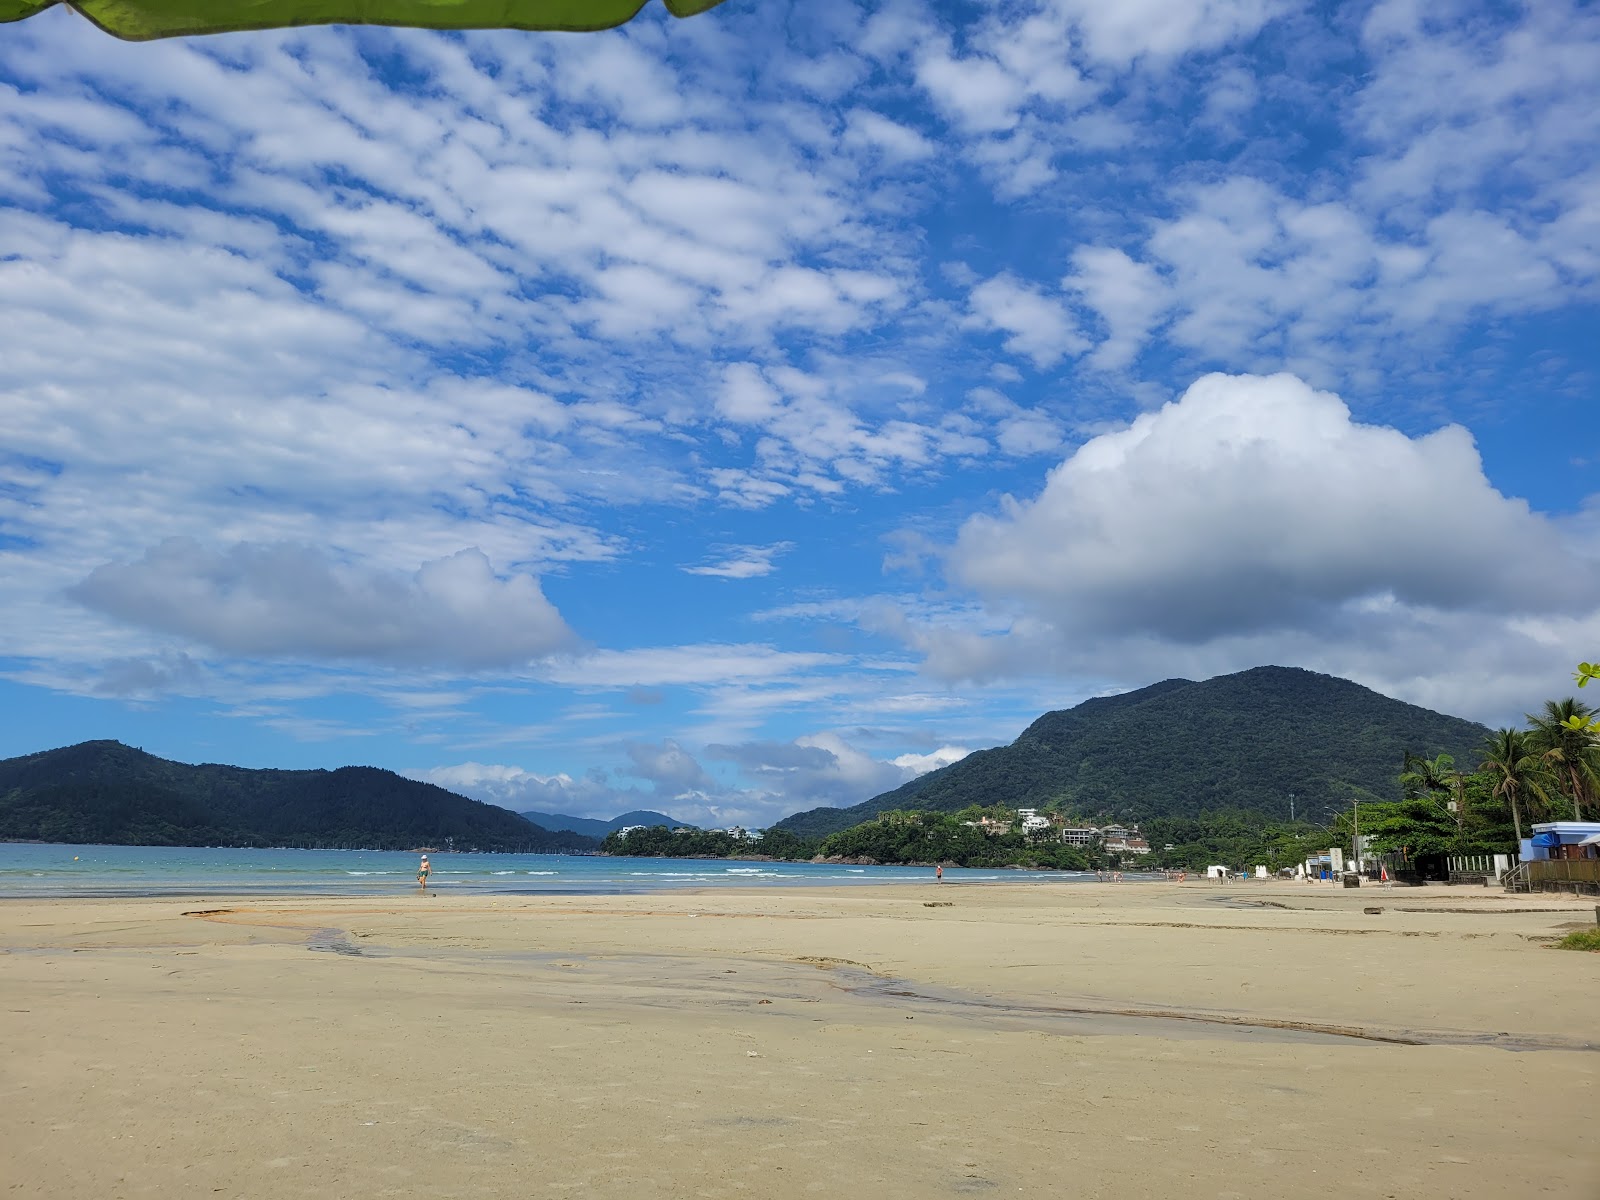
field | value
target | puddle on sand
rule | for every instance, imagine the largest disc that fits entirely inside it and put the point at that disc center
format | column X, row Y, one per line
column 334, row 941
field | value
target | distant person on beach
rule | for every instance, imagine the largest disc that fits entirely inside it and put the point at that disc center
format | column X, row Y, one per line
column 423, row 871
column 938, row 873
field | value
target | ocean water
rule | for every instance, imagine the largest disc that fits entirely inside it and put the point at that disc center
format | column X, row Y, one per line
column 30, row 870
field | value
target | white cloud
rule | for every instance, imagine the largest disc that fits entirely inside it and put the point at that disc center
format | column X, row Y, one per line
column 287, row 601
column 703, row 664
column 865, row 128
column 1254, row 521
column 1038, row 326
column 1257, row 503
column 977, row 93
column 817, row 770
column 1128, row 296
column 667, row 765
column 921, row 764
column 1453, row 103
column 1119, row 34
column 743, row 562
column 521, row 790
column 1020, row 87
column 1248, row 275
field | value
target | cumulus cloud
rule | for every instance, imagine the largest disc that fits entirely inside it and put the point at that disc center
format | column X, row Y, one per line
column 1258, row 503
column 289, row 601
column 1254, row 520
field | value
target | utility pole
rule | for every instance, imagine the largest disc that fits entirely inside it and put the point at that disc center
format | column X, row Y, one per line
column 1355, row 836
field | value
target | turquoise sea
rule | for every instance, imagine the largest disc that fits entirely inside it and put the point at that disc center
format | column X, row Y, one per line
column 29, row 870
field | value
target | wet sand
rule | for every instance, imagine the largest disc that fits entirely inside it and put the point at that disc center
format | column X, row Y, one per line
column 1040, row 1040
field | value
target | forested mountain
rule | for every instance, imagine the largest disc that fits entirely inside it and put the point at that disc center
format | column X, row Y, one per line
column 1179, row 748
column 106, row 792
column 591, row 827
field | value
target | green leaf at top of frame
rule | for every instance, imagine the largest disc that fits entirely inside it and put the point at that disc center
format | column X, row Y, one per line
column 147, row 20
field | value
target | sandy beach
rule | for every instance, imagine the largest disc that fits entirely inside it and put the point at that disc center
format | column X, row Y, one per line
column 1137, row 1040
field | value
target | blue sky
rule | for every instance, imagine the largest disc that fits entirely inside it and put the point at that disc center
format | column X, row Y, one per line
column 741, row 414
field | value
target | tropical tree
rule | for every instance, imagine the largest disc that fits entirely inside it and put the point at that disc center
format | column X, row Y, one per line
column 1518, row 772
column 1414, row 828
column 1563, row 736
column 1435, row 782
column 1426, row 778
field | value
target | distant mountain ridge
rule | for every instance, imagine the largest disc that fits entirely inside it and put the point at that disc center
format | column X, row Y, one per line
column 106, row 792
column 591, row 827
column 1179, row 748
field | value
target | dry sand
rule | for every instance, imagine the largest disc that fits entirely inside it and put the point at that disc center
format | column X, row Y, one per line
column 911, row 1041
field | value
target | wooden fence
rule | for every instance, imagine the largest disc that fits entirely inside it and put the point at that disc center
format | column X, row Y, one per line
column 1560, row 875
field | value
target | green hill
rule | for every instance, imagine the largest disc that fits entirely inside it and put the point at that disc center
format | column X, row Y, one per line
column 105, row 792
column 1179, row 748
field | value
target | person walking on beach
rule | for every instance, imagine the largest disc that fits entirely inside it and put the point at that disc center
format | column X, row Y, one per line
column 423, row 871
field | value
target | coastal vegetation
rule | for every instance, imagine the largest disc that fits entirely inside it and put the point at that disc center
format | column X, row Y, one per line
column 660, row 841
column 994, row 836
column 1548, row 771
column 955, row 838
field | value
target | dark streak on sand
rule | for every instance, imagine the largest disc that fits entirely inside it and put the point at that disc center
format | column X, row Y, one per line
column 1179, row 1022
column 860, row 980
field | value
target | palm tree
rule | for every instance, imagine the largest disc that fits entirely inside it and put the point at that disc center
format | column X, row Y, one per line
column 1423, row 778
column 1432, row 778
column 1518, row 771
column 1562, row 737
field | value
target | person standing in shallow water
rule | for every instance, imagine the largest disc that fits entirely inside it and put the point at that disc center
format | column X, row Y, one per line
column 938, row 873
column 423, row 871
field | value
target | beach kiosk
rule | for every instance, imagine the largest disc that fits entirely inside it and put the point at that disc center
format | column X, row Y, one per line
column 1563, row 856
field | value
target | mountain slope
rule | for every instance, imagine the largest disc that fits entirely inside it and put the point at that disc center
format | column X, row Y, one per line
column 1178, row 748
column 110, row 793
column 590, row 827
